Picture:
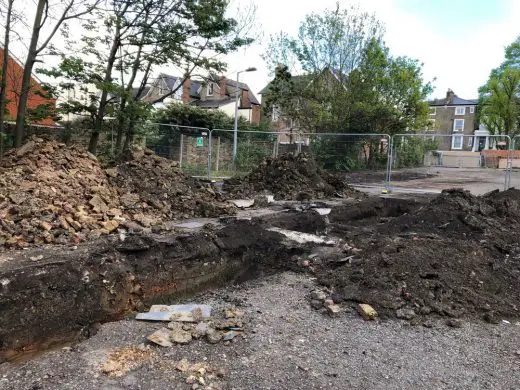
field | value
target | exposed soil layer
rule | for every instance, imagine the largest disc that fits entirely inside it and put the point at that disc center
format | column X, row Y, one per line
column 48, row 296
column 455, row 256
column 290, row 177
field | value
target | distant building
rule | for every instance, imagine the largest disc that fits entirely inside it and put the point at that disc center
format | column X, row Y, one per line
column 217, row 93
column 456, row 118
column 37, row 94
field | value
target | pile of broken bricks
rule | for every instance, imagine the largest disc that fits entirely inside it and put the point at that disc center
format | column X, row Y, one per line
column 51, row 193
column 193, row 322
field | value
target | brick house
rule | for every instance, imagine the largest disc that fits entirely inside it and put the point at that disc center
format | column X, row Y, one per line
column 217, row 92
column 164, row 84
column 37, row 95
column 287, row 126
column 456, row 117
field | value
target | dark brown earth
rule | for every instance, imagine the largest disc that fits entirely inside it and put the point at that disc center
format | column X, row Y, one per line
column 456, row 256
column 288, row 177
column 56, row 295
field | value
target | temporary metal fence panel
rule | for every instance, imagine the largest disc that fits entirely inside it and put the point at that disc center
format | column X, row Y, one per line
column 514, row 163
column 364, row 156
column 252, row 148
column 188, row 145
column 432, row 162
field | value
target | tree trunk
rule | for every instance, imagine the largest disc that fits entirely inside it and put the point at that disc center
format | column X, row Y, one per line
column 98, row 124
column 129, row 140
column 127, row 95
column 3, row 82
column 26, row 78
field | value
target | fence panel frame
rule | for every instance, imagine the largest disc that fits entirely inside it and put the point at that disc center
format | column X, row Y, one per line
column 507, row 175
column 213, row 132
column 388, row 137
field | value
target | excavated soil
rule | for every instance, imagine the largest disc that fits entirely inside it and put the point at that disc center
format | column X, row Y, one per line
column 455, row 256
column 289, row 177
column 54, row 194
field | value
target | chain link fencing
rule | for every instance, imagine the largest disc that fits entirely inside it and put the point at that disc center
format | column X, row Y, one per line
column 188, row 145
column 440, row 161
column 252, row 147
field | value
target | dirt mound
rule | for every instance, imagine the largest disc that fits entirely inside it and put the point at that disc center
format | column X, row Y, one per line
column 289, row 177
column 155, row 185
column 51, row 193
column 457, row 256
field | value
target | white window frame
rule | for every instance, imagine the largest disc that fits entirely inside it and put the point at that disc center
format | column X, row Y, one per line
column 275, row 115
column 457, row 136
column 455, row 125
column 210, row 89
column 461, row 112
column 471, row 109
column 470, row 142
column 434, row 111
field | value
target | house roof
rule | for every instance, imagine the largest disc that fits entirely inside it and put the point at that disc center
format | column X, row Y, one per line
column 233, row 85
column 172, row 80
column 143, row 92
column 213, row 103
column 453, row 100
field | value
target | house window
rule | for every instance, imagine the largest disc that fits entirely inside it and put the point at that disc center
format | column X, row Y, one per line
column 471, row 109
column 470, row 142
column 276, row 114
column 456, row 142
column 433, row 110
column 460, row 110
column 458, row 125
column 210, row 89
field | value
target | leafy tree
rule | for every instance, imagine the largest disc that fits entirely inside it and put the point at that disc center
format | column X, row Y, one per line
column 65, row 11
column 136, row 37
column 499, row 98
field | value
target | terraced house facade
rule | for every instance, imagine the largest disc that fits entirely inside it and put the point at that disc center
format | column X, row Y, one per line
column 455, row 118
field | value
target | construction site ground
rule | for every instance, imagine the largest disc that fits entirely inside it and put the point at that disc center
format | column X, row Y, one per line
column 318, row 287
column 434, row 179
column 289, row 345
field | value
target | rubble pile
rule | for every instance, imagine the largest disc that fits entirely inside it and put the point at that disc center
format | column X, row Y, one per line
column 51, row 193
column 152, row 188
column 454, row 257
column 290, row 177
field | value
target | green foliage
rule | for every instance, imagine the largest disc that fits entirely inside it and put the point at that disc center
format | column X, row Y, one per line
column 250, row 153
column 351, row 83
column 411, row 151
column 499, row 102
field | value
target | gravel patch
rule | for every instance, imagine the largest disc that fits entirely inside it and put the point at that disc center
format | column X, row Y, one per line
column 289, row 345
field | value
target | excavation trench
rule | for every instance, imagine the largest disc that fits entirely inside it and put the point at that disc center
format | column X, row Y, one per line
column 49, row 297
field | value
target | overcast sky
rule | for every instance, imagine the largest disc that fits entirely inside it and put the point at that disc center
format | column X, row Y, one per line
column 459, row 41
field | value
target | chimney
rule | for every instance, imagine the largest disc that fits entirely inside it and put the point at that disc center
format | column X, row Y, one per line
column 244, row 99
column 449, row 96
column 222, row 86
column 186, row 86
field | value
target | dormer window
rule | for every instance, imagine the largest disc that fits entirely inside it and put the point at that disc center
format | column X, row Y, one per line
column 210, row 89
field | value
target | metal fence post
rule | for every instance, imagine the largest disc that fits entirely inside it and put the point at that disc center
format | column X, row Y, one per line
column 209, row 154
column 388, row 184
column 181, row 150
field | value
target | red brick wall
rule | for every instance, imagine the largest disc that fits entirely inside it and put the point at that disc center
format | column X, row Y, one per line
column 255, row 117
column 14, row 86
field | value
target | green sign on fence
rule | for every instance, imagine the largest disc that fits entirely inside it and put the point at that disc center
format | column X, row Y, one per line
column 200, row 142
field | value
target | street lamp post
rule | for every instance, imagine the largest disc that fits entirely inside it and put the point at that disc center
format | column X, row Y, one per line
column 235, row 129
